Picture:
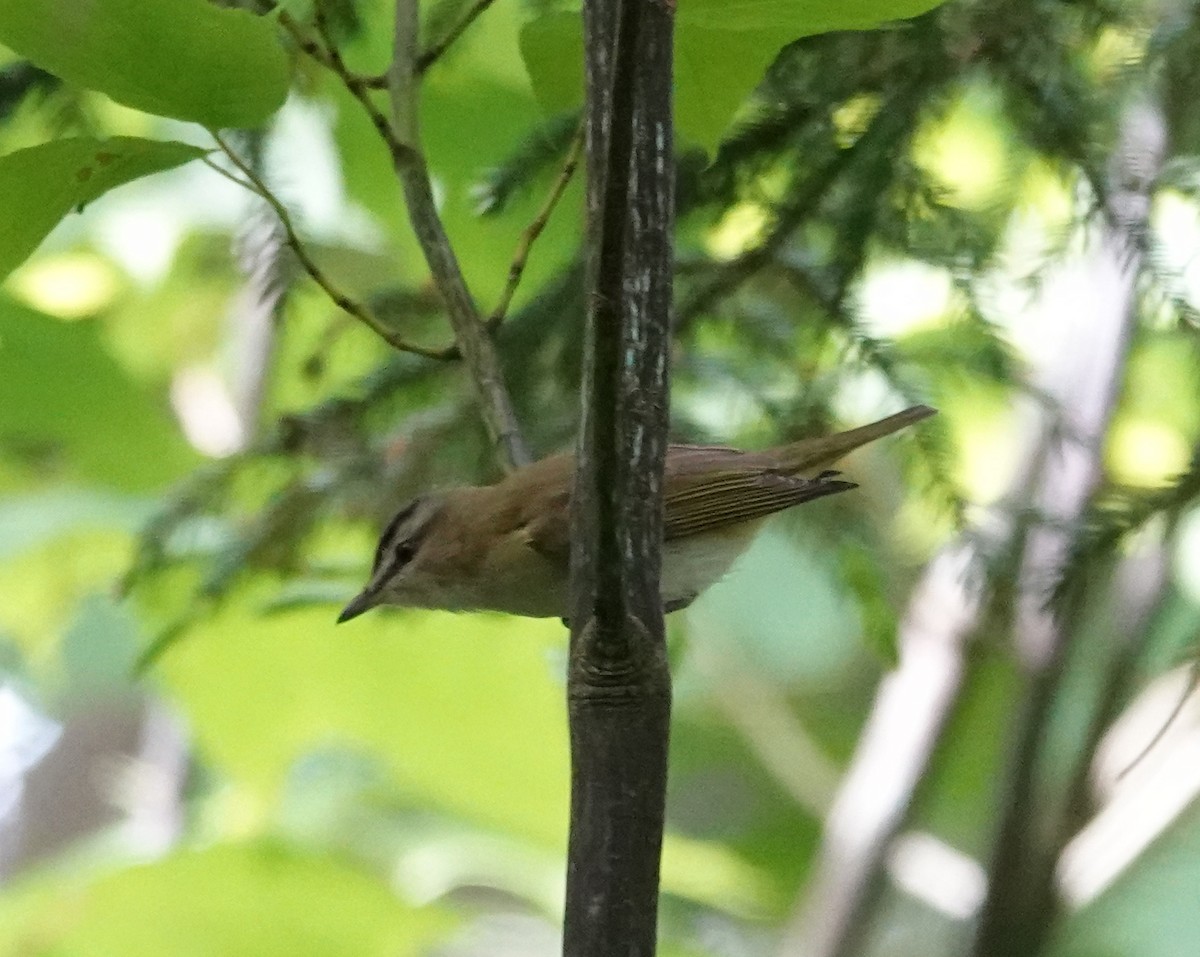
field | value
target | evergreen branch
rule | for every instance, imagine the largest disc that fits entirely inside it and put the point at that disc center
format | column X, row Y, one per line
column 353, row 307
column 534, row 230
column 891, row 119
column 540, row 151
column 788, row 219
column 1112, row 518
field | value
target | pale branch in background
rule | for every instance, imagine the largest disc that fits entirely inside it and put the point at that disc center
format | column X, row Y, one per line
column 1023, row 903
column 534, row 230
column 254, row 183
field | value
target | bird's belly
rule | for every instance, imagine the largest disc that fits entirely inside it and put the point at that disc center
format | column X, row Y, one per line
column 537, row 588
column 692, row 564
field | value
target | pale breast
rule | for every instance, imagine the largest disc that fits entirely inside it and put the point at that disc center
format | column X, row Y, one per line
column 518, row 580
column 694, row 563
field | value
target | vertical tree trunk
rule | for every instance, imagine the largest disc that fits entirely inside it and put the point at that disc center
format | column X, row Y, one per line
column 619, row 686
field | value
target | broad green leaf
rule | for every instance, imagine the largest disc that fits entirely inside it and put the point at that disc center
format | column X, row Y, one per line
column 259, row 900
column 552, row 47
column 189, row 59
column 65, row 402
column 721, row 51
column 40, row 185
column 466, row 713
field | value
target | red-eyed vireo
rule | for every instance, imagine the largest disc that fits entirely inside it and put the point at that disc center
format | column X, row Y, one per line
column 506, row 547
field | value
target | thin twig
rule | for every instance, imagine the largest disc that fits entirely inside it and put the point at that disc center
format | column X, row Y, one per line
column 328, row 54
column 358, row 310
column 430, row 56
column 534, row 230
column 398, row 146
column 312, row 48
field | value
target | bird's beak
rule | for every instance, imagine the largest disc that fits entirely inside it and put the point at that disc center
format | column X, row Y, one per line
column 363, row 601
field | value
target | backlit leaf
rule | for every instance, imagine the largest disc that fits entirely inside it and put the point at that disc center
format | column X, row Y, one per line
column 189, row 59
column 40, row 185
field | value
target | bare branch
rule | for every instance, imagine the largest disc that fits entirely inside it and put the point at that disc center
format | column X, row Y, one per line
column 403, row 77
column 430, row 56
column 323, row 55
column 618, row 679
column 402, row 136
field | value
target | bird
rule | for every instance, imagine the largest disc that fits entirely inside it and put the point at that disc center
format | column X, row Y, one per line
column 506, row 547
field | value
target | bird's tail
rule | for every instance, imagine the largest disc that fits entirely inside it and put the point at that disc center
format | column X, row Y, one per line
column 807, row 455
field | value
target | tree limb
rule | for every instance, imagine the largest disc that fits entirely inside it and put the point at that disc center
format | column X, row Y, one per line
column 618, row 684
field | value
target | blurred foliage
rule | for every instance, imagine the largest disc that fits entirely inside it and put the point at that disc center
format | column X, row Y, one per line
column 197, row 450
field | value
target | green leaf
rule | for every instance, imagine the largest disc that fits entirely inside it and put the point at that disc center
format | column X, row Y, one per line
column 552, row 48
column 188, row 59
column 40, row 185
column 396, row 687
column 466, row 713
column 64, row 401
column 260, row 899
column 721, row 51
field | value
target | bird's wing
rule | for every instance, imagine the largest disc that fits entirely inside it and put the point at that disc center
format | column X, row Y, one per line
column 548, row 531
column 712, row 487
column 704, row 502
column 714, row 501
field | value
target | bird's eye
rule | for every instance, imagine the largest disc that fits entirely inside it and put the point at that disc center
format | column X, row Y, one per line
column 404, row 553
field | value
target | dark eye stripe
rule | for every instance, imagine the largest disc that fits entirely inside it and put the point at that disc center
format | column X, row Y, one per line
column 389, row 532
